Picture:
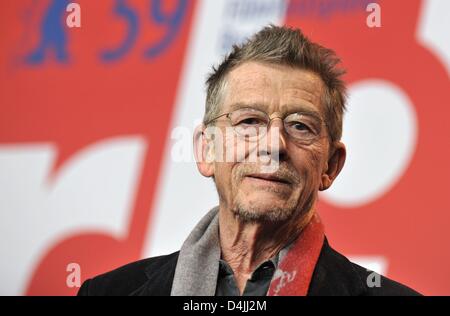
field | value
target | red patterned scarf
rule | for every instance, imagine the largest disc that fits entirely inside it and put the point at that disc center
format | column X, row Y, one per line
column 295, row 269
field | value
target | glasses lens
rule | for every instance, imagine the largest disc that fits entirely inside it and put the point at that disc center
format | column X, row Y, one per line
column 249, row 123
column 302, row 127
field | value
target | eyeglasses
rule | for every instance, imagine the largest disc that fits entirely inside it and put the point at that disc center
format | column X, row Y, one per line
column 249, row 123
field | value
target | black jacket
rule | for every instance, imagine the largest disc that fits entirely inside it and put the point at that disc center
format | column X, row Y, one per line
column 334, row 275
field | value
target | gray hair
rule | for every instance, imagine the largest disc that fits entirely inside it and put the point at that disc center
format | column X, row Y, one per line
column 284, row 46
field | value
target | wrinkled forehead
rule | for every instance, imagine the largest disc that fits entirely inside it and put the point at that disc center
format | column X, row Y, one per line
column 273, row 88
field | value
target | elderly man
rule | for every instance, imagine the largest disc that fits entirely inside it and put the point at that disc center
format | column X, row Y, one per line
column 270, row 139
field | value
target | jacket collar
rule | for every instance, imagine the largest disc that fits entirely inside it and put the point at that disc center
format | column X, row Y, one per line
column 333, row 275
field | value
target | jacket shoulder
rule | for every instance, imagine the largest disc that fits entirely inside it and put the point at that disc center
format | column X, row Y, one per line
column 130, row 278
column 336, row 275
column 379, row 285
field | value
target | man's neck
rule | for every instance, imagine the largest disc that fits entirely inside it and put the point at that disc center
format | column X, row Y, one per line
column 245, row 245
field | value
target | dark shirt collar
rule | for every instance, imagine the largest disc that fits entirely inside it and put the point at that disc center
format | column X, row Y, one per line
column 225, row 269
column 257, row 285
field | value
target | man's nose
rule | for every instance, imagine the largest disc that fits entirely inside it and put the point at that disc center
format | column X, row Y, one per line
column 275, row 139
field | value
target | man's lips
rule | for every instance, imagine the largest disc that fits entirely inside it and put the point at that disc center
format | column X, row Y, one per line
column 270, row 177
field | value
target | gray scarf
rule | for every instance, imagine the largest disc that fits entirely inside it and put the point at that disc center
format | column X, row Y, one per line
column 198, row 263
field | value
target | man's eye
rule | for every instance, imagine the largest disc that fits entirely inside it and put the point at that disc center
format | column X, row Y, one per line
column 300, row 127
column 250, row 121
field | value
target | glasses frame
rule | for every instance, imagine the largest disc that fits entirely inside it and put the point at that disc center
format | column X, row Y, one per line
column 269, row 122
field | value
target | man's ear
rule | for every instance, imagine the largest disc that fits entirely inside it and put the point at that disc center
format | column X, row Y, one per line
column 203, row 152
column 334, row 165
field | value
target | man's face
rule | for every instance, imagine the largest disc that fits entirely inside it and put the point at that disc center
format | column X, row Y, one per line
column 291, row 188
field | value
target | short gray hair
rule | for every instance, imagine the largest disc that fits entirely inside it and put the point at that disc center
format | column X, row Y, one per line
column 284, row 46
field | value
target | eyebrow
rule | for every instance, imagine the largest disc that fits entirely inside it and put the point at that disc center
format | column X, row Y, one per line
column 298, row 108
column 240, row 105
